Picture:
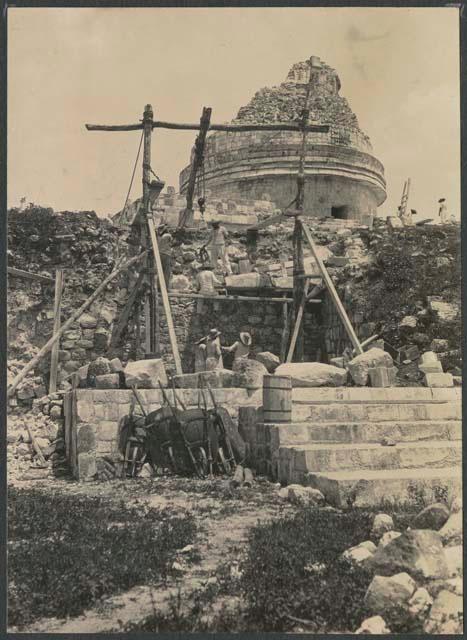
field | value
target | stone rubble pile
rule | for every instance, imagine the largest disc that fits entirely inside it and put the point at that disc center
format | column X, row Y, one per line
column 417, row 573
column 45, row 424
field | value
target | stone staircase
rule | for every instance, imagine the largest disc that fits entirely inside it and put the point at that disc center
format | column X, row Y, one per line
column 334, row 443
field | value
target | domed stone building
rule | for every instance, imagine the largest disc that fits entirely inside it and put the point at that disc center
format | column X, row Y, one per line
column 343, row 178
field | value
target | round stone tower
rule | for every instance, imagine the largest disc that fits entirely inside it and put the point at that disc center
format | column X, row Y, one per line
column 343, row 178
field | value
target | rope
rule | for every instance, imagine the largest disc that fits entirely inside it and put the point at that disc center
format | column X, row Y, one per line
column 129, row 190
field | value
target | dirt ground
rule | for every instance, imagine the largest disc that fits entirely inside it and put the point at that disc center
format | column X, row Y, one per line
column 223, row 515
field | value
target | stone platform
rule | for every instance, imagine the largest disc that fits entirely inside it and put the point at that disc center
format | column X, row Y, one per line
column 93, row 418
column 338, row 442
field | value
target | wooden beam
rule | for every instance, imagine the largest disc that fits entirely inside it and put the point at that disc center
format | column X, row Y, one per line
column 158, row 124
column 186, row 218
column 56, row 329
column 125, row 315
column 49, row 344
column 19, row 273
column 298, row 322
column 164, row 295
column 332, row 290
column 231, row 298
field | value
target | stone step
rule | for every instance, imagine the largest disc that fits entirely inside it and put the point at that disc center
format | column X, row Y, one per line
column 410, row 431
column 342, row 457
column 373, row 394
column 365, row 412
column 379, row 488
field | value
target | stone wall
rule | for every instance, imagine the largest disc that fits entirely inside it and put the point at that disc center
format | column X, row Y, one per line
column 93, row 419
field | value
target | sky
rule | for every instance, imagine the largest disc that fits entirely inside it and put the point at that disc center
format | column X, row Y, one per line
column 399, row 70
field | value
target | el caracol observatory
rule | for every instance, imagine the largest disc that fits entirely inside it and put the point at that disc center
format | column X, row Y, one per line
column 343, row 179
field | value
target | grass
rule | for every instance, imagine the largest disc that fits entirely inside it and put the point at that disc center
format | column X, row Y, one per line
column 67, row 552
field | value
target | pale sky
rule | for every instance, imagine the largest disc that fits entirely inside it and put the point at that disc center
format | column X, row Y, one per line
column 399, row 70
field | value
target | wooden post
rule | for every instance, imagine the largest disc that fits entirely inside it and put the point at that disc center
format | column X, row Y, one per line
column 157, row 330
column 55, row 348
column 148, row 117
column 186, row 218
column 298, row 324
column 46, row 348
column 164, row 295
column 332, row 290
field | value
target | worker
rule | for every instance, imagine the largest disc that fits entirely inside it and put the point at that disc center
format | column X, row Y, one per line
column 443, row 211
column 213, row 351
column 206, row 281
column 165, row 250
column 217, row 241
column 241, row 348
column 200, row 355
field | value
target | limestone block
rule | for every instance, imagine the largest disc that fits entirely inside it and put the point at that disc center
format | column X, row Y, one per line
column 85, row 438
column 387, row 537
column 116, row 365
column 438, row 345
column 313, row 374
column 337, row 362
column 360, row 553
column 99, row 366
column 408, row 322
column 88, row 321
column 419, row 552
column 451, row 532
column 434, row 516
column 446, row 615
column 108, row 381
column 216, row 378
column 248, row 374
column 438, row 380
column 379, row 377
column 269, row 360
column 420, row 603
column 360, row 365
column 382, row 523
column 431, row 367
column 300, row 495
column 87, row 467
column 146, row 374
column 107, row 430
column 390, row 596
column 454, row 560
column 375, row 625
column 445, row 311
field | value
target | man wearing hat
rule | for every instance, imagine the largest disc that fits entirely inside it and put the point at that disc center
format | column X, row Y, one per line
column 217, row 241
column 213, row 351
column 200, row 355
column 241, row 348
column 443, row 211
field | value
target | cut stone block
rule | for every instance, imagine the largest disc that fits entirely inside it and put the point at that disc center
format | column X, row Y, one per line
column 379, row 377
column 108, row 381
column 360, row 365
column 146, row 374
column 87, row 467
column 313, row 374
column 438, row 380
column 217, row 379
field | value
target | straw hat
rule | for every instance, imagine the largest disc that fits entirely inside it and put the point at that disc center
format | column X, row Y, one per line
column 245, row 338
column 214, row 333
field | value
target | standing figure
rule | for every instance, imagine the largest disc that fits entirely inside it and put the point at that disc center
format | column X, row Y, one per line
column 200, row 355
column 165, row 250
column 241, row 348
column 213, row 351
column 206, row 283
column 443, row 211
column 217, row 241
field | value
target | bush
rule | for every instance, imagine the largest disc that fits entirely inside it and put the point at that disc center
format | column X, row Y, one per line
column 66, row 552
column 293, row 570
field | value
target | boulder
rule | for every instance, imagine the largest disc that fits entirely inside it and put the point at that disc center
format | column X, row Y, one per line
column 390, row 596
column 269, row 360
column 382, row 523
column 88, row 321
column 217, row 379
column 146, row 374
column 313, row 374
column 360, row 365
column 116, row 365
column 99, row 367
column 434, row 516
column 358, row 554
column 420, row 603
column 418, row 552
column 446, row 615
column 451, row 531
column 108, row 381
column 300, row 495
column 408, row 322
column 387, row 537
column 445, row 312
column 454, row 560
column 248, row 374
column 375, row 625
column 179, row 282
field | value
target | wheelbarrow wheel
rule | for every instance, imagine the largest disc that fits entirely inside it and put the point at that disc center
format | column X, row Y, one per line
column 201, row 463
column 225, row 464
